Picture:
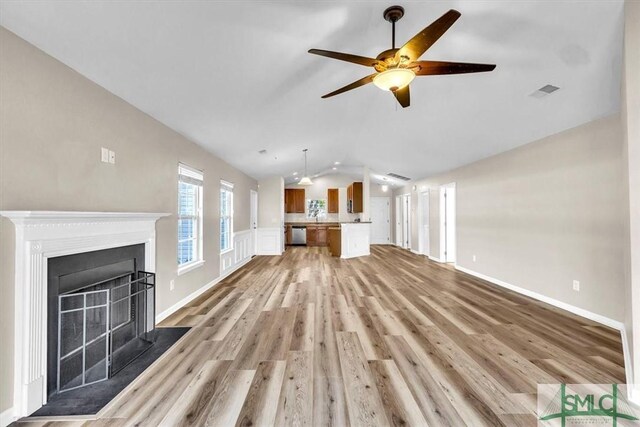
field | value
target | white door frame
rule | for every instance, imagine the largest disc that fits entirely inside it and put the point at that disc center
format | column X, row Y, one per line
column 448, row 236
column 406, row 221
column 398, row 220
column 387, row 200
column 253, row 220
column 424, row 243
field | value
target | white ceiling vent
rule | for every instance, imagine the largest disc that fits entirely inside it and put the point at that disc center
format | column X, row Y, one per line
column 263, row 151
column 395, row 175
column 544, row 91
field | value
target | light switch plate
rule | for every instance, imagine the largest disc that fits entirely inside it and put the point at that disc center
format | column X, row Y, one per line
column 104, row 155
column 576, row 285
column 112, row 157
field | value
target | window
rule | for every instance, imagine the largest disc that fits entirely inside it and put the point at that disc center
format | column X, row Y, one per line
column 316, row 209
column 226, row 216
column 190, row 183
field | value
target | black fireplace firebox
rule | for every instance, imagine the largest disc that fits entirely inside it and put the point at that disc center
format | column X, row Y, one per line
column 100, row 315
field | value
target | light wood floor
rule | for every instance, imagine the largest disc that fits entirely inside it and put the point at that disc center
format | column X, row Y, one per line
column 307, row 339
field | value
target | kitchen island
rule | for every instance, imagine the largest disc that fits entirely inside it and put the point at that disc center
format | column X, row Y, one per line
column 354, row 239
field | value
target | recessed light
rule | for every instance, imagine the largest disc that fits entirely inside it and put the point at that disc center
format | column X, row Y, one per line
column 336, row 163
column 295, row 173
column 297, row 178
column 334, row 168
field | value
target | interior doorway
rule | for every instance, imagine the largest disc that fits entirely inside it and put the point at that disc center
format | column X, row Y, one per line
column 448, row 222
column 380, row 221
column 253, row 222
column 398, row 221
column 423, row 237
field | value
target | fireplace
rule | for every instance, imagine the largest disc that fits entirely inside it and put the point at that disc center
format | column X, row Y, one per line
column 43, row 236
column 97, row 314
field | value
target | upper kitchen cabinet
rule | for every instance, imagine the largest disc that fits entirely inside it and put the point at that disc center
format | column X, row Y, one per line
column 332, row 201
column 294, row 200
column 354, row 198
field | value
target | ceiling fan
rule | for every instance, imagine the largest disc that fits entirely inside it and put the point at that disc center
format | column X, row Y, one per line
column 396, row 68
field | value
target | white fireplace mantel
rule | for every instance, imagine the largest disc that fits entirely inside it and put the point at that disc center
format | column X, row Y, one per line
column 45, row 234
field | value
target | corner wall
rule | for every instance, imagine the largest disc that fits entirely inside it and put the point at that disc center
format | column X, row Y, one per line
column 53, row 122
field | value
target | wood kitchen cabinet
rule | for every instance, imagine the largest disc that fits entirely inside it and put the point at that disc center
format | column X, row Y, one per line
column 333, row 201
column 321, row 236
column 294, row 200
column 354, row 198
column 312, row 235
column 335, row 241
column 317, row 235
column 288, row 234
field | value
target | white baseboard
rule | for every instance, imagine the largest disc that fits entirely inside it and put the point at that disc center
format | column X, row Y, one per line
column 570, row 308
column 432, row 258
column 6, row 417
column 415, row 252
column 186, row 300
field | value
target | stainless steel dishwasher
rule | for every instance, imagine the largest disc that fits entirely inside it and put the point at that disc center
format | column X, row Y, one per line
column 299, row 235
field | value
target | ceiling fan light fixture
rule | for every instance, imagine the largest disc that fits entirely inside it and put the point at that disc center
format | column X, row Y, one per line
column 394, row 79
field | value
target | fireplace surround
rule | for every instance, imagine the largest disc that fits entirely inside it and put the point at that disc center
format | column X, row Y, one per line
column 40, row 235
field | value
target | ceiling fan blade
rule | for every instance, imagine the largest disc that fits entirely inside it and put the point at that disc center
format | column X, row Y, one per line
column 414, row 48
column 430, row 68
column 363, row 81
column 362, row 60
column 402, row 95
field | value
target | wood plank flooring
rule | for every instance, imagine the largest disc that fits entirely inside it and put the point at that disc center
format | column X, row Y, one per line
column 389, row 339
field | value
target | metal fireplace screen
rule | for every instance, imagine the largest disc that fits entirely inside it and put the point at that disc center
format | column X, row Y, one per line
column 102, row 328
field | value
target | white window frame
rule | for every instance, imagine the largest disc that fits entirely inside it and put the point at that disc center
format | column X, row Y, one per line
column 195, row 177
column 226, row 186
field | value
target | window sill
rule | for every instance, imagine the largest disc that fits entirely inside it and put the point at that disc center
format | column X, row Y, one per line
column 226, row 251
column 188, row 267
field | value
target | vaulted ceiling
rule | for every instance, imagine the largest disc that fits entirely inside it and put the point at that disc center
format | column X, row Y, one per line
column 236, row 78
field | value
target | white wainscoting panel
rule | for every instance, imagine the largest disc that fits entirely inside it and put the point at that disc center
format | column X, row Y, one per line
column 240, row 253
column 270, row 241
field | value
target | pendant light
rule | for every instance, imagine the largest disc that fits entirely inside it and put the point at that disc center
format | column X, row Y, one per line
column 305, row 179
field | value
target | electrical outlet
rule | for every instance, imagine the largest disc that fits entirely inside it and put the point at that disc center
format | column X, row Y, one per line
column 172, row 285
column 112, row 157
column 576, row 285
column 104, row 155
column 474, row 258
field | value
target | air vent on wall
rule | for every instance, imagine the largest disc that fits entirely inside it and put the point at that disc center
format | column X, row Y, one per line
column 395, row 175
column 544, row 91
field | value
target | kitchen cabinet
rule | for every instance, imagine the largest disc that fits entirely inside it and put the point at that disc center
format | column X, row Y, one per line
column 333, row 201
column 354, row 198
column 321, row 236
column 288, row 232
column 312, row 235
column 317, row 235
column 335, row 241
column 294, row 200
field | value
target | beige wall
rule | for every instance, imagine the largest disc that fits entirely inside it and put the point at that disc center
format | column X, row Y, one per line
column 53, row 122
column 542, row 215
column 631, row 120
column 271, row 202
